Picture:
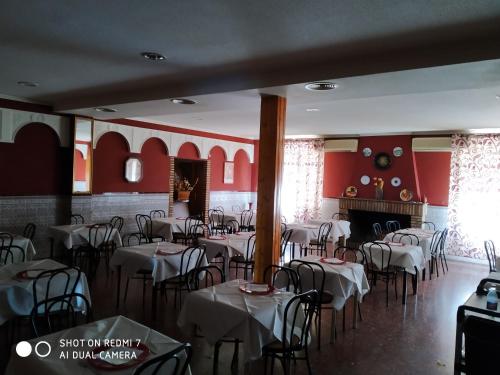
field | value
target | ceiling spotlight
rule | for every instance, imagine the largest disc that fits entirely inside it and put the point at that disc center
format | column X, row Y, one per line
column 153, row 56
column 321, row 86
column 27, row 83
column 312, row 109
column 104, row 109
column 182, row 101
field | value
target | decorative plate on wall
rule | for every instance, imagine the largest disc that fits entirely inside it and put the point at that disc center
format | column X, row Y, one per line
column 367, row 151
column 395, row 181
column 365, row 180
column 382, row 160
column 406, row 195
column 351, row 191
column 397, row 151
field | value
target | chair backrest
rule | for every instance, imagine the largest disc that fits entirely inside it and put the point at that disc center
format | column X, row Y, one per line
column 59, row 312
column 217, row 217
column 442, row 243
column 377, row 230
column 145, row 226
column 246, row 218
column 100, row 235
column 211, row 275
column 283, row 227
column 117, row 223
column 282, row 277
column 283, row 219
column 29, row 231
column 392, row 226
column 157, row 213
column 12, row 254
column 481, row 345
column 323, row 233
column 311, row 275
column 175, row 362
column 77, row 219
column 6, row 240
column 54, row 283
column 191, row 259
column 232, row 226
column 340, row 216
column 489, row 248
column 377, row 250
column 298, row 316
column 435, row 242
column 200, row 230
column 236, row 208
column 406, row 238
column 428, row 225
column 220, row 208
column 349, row 254
column 285, row 239
column 250, row 247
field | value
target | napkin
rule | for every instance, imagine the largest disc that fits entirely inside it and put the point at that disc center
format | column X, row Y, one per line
column 332, row 260
column 261, row 288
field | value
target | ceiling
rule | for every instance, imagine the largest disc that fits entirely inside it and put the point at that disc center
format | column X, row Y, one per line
column 384, row 55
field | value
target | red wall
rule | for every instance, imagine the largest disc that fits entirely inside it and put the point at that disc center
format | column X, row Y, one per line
column 109, row 165
column 255, row 166
column 80, row 165
column 417, row 172
column 188, row 150
column 242, row 171
column 35, row 164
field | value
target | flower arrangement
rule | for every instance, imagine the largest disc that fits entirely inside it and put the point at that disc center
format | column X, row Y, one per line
column 379, row 187
column 183, row 184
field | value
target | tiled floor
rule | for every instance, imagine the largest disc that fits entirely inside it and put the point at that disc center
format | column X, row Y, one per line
column 414, row 339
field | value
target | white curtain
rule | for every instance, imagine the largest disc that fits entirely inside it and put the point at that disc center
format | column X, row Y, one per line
column 302, row 187
column 474, row 208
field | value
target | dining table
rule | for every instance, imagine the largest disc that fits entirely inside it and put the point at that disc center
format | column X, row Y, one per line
column 117, row 337
column 424, row 238
column 227, row 311
column 16, row 286
column 167, row 226
column 409, row 258
column 341, row 229
column 24, row 243
column 163, row 259
column 235, row 215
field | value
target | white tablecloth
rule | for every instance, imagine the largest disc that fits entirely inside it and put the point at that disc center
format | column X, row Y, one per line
column 235, row 215
column 226, row 311
column 167, row 226
column 303, row 233
column 118, row 327
column 144, row 257
column 16, row 295
column 342, row 281
column 78, row 234
column 405, row 256
column 233, row 244
column 424, row 238
column 25, row 244
column 339, row 228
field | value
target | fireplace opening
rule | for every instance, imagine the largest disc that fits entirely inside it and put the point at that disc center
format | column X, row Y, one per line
column 362, row 223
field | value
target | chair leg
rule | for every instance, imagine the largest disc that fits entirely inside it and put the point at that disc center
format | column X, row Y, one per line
column 216, row 357
column 333, row 330
column 387, row 293
column 343, row 319
column 126, row 290
column 318, row 330
column 308, row 363
column 445, row 262
column 234, row 362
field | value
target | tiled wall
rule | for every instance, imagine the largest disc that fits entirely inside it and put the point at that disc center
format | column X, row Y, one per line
column 43, row 211
column 227, row 199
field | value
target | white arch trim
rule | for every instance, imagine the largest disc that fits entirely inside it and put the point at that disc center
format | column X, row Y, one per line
column 136, row 137
column 12, row 120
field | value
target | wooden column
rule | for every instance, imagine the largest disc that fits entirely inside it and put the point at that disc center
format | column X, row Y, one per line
column 272, row 134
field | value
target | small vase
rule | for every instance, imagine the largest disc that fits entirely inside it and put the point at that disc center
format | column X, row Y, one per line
column 379, row 193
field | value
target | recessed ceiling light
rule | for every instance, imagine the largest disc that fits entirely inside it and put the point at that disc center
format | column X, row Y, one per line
column 27, row 83
column 182, row 101
column 321, row 86
column 105, row 109
column 312, row 109
column 153, row 56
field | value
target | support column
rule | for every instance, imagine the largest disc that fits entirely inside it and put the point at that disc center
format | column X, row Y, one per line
column 272, row 135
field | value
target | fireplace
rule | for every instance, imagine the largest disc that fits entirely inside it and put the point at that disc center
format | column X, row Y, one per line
column 364, row 212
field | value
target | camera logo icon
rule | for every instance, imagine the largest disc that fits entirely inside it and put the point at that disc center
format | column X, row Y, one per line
column 42, row 349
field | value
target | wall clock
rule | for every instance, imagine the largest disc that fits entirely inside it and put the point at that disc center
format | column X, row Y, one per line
column 382, row 160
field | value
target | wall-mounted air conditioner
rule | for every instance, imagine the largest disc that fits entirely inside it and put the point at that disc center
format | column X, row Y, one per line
column 431, row 144
column 341, row 145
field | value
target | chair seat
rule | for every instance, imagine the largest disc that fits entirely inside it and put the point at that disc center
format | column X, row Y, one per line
column 326, row 298
column 314, row 242
column 277, row 346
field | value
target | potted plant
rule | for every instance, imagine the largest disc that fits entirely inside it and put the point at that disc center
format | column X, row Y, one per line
column 183, row 188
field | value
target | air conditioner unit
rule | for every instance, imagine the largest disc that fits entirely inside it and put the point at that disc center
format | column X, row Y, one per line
column 434, row 144
column 341, row 145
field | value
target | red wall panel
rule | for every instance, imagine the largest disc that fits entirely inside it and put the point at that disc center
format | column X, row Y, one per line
column 255, row 166
column 217, row 157
column 188, row 150
column 242, row 171
column 339, row 167
column 80, row 164
column 35, row 164
column 434, row 176
column 109, row 165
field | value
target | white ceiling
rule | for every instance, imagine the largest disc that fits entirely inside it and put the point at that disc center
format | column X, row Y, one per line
column 87, row 54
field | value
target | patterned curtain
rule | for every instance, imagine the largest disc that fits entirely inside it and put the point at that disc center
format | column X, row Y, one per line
column 302, row 188
column 474, row 208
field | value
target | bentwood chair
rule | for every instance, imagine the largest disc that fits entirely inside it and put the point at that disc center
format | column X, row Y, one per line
column 77, row 219
column 175, row 362
column 378, row 233
column 117, row 223
column 442, row 250
column 392, row 226
column 285, row 240
column 232, row 226
column 99, row 244
column 429, row 225
column 244, row 262
column 318, row 244
column 145, row 225
column 282, row 277
column 435, row 246
column 298, row 316
column 383, row 271
column 60, row 312
column 29, row 231
column 405, row 238
column 187, row 236
column 157, row 213
column 236, row 208
column 216, row 219
column 246, row 221
column 489, row 248
column 312, row 276
column 6, row 240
